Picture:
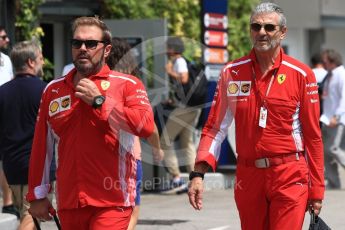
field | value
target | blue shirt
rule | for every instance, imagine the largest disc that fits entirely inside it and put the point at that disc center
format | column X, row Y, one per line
column 19, row 104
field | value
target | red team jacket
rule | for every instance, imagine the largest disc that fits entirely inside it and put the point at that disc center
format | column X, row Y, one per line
column 94, row 147
column 292, row 121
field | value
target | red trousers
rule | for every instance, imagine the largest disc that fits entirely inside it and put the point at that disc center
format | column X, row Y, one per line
column 95, row 218
column 272, row 198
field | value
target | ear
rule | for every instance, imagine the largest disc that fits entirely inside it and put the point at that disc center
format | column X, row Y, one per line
column 284, row 32
column 107, row 50
column 30, row 63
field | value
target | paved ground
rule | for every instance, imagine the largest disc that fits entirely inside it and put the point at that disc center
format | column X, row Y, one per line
column 219, row 212
column 166, row 212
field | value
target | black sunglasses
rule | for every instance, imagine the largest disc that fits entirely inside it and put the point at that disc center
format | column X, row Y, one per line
column 3, row 37
column 268, row 27
column 89, row 44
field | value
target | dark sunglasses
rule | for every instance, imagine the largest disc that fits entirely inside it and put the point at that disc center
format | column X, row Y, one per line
column 3, row 37
column 268, row 27
column 89, row 44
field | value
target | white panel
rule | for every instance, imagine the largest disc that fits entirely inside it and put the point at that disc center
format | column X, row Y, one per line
column 59, row 53
column 335, row 40
column 301, row 13
column 296, row 43
column 333, row 7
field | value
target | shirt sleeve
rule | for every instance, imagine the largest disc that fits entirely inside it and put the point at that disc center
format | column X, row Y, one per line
column 180, row 66
column 41, row 156
column 216, row 127
column 341, row 90
column 310, row 113
column 134, row 112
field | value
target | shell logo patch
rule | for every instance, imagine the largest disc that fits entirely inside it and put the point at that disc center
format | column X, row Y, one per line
column 281, row 78
column 59, row 104
column 239, row 88
column 233, row 88
column 53, row 107
column 105, row 84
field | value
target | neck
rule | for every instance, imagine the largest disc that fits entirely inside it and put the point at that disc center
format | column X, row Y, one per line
column 266, row 59
column 77, row 77
column 26, row 72
column 318, row 66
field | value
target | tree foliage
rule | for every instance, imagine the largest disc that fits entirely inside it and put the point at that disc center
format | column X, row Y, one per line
column 28, row 28
column 182, row 15
column 183, row 18
column 27, row 20
column 239, row 14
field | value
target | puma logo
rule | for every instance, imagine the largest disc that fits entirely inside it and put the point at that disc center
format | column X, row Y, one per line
column 235, row 72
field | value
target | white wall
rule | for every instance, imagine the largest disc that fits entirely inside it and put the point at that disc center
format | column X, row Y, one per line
column 333, row 7
column 301, row 13
column 296, row 43
column 335, row 40
column 59, row 54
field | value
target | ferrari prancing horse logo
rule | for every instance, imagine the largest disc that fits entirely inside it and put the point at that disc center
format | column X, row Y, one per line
column 105, row 84
column 281, row 78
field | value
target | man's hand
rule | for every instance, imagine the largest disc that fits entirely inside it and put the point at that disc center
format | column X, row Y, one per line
column 315, row 205
column 333, row 122
column 40, row 209
column 169, row 68
column 158, row 155
column 195, row 191
column 87, row 90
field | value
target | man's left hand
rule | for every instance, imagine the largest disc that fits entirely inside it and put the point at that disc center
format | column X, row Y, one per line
column 86, row 90
column 315, row 205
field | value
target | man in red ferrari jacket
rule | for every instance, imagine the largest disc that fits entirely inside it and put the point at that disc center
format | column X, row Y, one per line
column 91, row 115
column 274, row 102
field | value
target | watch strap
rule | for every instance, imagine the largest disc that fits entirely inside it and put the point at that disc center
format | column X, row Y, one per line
column 95, row 103
column 194, row 174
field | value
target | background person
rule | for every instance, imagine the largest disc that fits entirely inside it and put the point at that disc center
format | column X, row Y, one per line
column 277, row 128
column 181, row 122
column 318, row 67
column 333, row 117
column 122, row 60
column 6, row 74
column 93, row 115
column 17, row 121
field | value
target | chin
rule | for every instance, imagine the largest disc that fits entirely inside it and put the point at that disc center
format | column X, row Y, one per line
column 262, row 48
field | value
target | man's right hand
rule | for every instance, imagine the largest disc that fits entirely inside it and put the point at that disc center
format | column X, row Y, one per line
column 40, row 209
column 195, row 191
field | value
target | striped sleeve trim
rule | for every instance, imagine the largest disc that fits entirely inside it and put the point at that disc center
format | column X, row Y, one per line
column 236, row 64
column 124, row 78
column 295, row 67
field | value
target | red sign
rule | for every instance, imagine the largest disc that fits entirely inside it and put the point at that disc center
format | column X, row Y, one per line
column 215, row 21
column 216, row 38
column 215, row 55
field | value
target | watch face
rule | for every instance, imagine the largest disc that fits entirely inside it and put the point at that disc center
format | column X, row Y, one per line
column 99, row 100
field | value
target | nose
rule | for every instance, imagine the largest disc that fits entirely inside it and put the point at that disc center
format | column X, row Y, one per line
column 83, row 46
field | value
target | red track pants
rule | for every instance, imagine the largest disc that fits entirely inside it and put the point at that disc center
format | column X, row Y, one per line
column 272, row 198
column 95, row 218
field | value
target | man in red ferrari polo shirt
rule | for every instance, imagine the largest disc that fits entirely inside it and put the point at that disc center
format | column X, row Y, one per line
column 273, row 99
column 92, row 115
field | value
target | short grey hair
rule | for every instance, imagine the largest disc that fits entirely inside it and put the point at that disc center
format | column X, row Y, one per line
column 269, row 7
column 22, row 52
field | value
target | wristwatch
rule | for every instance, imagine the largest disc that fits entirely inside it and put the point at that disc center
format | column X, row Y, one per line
column 196, row 174
column 98, row 101
column 337, row 117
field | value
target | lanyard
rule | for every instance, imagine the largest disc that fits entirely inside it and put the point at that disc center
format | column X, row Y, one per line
column 269, row 85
